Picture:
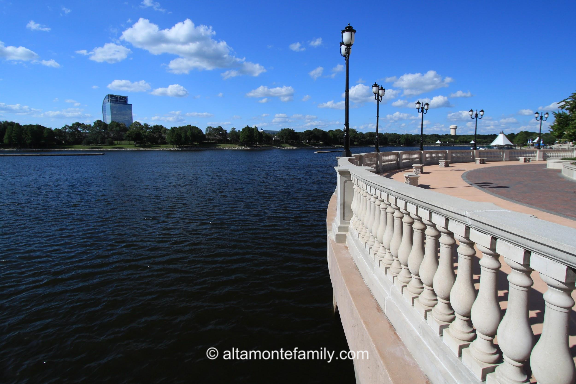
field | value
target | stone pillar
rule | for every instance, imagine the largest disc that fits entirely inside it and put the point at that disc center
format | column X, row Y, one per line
column 461, row 333
column 405, row 248
column 388, row 233
column 415, row 287
column 551, row 361
column 482, row 356
column 506, row 156
column 539, row 155
column 442, row 313
column 515, row 336
column 396, row 267
column 370, row 220
column 382, row 230
column 376, row 225
column 427, row 299
column 344, row 194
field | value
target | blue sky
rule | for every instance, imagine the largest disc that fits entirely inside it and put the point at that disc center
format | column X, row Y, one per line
column 277, row 64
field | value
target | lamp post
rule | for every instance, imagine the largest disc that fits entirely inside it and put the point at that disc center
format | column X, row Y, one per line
column 345, row 48
column 474, row 115
column 540, row 117
column 423, row 109
column 378, row 91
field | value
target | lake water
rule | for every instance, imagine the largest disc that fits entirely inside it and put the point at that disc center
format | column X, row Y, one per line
column 127, row 267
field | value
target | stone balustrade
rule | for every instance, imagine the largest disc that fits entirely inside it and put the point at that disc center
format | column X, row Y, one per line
column 405, row 242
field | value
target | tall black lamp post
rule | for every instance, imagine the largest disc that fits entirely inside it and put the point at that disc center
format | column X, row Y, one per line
column 474, row 115
column 345, row 48
column 540, row 117
column 378, row 91
column 423, row 109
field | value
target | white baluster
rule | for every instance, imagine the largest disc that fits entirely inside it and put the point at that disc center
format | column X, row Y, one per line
column 363, row 209
column 396, row 267
column 353, row 207
column 388, row 233
column 515, row 336
column 381, row 230
column 415, row 257
column 370, row 222
column 482, row 356
column 405, row 248
column 376, row 225
column 461, row 333
column 551, row 361
column 427, row 299
column 442, row 313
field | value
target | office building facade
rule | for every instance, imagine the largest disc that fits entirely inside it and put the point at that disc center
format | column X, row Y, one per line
column 116, row 108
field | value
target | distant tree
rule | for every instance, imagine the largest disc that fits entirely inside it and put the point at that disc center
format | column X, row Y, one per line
column 248, row 136
column 216, row 134
column 564, row 127
column 234, row 136
column 287, row 135
column 522, row 138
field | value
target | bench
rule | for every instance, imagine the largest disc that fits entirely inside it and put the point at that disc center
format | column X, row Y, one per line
column 524, row 159
column 411, row 179
column 443, row 163
column 418, row 169
column 480, row 160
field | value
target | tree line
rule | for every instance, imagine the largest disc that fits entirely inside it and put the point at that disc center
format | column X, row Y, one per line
column 15, row 135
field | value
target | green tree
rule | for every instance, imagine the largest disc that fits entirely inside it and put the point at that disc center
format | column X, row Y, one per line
column 564, row 127
column 234, row 136
column 287, row 135
column 248, row 136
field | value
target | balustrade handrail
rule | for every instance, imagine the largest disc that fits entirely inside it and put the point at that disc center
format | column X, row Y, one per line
column 556, row 241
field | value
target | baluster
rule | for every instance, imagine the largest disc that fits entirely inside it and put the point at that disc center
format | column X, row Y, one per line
column 376, row 225
column 361, row 232
column 461, row 333
column 388, row 233
column 353, row 207
column 405, row 248
column 551, row 361
column 514, row 334
column 415, row 257
column 427, row 299
column 370, row 222
column 482, row 356
column 442, row 313
column 382, row 229
column 366, row 215
column 395, row 243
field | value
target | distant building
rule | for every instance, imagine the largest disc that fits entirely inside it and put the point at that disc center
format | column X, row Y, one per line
column 116, row 108
column 453, row 129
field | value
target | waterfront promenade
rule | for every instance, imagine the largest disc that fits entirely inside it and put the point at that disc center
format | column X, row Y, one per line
column 475, row 278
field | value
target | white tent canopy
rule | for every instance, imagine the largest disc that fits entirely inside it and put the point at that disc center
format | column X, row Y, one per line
column 501, row 140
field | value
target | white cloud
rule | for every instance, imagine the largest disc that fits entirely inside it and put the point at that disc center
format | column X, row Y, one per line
column 174, row 90
column 332, row 105
column 526, row 112
column 296, row 47
column 76, row 104
column 55, row 100
column 390, row 79
column 220, row 94
column 280, row 118
column 461, row 94
column 264, row 100
column 173, row 117
column 360, row 81
column 361, row 93
column 401, row 103
column 400, row 116
column 416, row 83
column 153, row 4
column 218, row 123
column 284, row 93
column 16, row 53
column 551, row 107
column 437, row 102
column 95, row 87
column 459, row 116
column 66, row 10
column 18, row 109
column 199, row 114
column 128, row 86
column 36, row 27
column 316, row 73
column 75, row 113
column 508, row 120
column 50, row 63
column 236, row 117
column 306, row 98
column 110, row 53
column 193, row 44
column 316, row 42
column 336, row 69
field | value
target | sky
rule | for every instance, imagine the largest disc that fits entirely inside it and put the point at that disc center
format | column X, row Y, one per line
column 278, row 65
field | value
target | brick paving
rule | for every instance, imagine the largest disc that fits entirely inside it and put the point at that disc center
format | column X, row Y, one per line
column 532, row 185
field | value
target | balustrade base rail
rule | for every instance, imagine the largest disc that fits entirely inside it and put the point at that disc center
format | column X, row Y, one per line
column 405, row 240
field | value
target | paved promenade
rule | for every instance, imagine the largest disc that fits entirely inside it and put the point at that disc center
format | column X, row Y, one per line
column 528, row 188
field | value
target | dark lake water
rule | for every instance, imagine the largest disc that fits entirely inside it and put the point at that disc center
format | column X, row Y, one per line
column 125, row 268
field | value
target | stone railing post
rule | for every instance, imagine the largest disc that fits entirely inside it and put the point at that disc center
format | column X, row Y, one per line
column 506, row 156
column 382, row 230
column 482, row 356
column 539, row 155
column 344, row 193
column 415, row 287
column 370, row 221
column 365, row 213
column 551, row 361
column 442, row 313
column 354, row 219
column 514, row 334
column 405, row 247
column 388, row 233
column 462, row 295
column 449, row 155
column 396, row 267
column 427, row 299
column 376, row 225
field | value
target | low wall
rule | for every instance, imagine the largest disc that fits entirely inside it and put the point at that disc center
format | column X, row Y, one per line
column 569, row 170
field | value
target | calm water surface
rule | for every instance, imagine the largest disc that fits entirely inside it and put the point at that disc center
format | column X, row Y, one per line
column 125, row 268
